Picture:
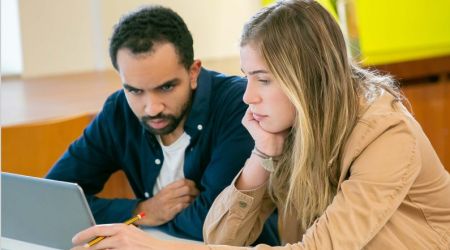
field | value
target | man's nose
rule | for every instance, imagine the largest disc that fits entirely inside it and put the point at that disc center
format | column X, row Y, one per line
column 153, row 106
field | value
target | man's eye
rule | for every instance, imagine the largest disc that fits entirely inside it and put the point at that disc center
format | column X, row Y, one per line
column 166, row 88
column 135, row 91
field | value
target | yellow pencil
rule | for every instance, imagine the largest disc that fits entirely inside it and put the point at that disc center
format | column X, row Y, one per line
column 128, row 222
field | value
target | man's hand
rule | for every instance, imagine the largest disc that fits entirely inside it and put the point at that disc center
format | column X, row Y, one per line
column 167, row 203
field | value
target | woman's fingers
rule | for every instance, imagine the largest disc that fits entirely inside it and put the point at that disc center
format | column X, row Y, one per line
column 98, row 230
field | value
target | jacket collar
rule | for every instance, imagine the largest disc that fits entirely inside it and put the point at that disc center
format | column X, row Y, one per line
column 199, row 112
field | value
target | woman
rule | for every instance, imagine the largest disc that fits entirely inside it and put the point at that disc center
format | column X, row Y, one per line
column 335, row 151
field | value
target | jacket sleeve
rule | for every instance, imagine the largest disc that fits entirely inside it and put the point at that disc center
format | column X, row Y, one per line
column 89, row 161
column 237, row 217
column 229, row 150
column 381, row 176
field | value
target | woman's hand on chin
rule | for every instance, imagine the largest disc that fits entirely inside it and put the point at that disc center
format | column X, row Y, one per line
column 269, row 143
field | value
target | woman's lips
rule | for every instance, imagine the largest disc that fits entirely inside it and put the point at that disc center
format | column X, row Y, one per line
column 258, row 117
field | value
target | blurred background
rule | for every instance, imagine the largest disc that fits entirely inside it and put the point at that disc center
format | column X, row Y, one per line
column 56, row 70
column 54, row 37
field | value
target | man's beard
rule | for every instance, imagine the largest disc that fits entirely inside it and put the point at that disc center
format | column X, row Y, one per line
column 173, row 121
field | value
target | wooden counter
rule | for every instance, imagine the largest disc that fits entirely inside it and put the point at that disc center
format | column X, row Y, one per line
column 37, row 116
column 39, row 99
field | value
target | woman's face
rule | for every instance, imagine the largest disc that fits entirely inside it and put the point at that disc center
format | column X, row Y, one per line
column 268, row 103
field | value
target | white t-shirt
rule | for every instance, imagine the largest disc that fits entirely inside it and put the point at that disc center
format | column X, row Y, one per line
column 172, row 168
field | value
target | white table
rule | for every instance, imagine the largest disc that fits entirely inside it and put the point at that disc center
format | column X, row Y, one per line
column 11, row 244
column 163, row 236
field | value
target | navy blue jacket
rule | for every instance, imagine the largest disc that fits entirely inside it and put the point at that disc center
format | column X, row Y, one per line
column 115, row 140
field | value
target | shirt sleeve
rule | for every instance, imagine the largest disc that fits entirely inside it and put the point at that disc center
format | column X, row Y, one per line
column 380, row 178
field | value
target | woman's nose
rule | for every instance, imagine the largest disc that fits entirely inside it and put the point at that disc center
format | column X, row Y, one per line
column 251, row 95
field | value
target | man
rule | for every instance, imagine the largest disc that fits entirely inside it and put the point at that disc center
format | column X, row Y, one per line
column 175, row 130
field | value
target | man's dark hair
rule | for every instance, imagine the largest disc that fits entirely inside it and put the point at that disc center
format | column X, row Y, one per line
column 138, row 31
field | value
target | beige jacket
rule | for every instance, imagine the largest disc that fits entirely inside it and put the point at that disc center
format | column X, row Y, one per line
column 393, row 193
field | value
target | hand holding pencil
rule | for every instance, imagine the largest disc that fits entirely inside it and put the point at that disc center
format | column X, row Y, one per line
column 128, row 222
column 100, row 238
column 124, row 236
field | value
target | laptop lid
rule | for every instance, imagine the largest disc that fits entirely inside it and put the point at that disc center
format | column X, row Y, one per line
column 41, row 211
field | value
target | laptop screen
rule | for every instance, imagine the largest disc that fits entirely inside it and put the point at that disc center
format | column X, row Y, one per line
column 41, row 211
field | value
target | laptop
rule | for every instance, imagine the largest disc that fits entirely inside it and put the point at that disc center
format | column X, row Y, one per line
column 41, row 211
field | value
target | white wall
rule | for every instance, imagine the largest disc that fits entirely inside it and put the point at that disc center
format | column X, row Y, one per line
column 11, row 53
column 56, row 37
column 66, row 36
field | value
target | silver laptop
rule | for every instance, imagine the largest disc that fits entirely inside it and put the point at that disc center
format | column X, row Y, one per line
column 41, row 211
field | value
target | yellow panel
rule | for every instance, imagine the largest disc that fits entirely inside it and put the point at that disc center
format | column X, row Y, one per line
column 329, row 6
column 399, row 30
column 267, row 2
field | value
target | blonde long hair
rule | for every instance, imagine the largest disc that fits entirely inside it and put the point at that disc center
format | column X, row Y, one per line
column 305, row 50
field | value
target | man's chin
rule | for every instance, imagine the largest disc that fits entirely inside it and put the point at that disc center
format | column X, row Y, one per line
column 160, row 131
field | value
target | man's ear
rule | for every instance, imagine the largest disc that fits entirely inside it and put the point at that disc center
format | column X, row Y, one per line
column 194, row 71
